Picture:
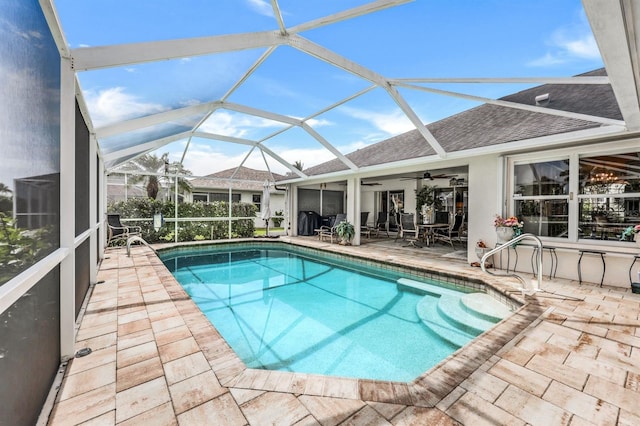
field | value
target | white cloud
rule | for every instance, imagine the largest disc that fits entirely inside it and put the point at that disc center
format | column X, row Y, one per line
column 570, row 43
column 203, row 159
column 261, row 7
column 392, row 123
column 547, row 60
column 26, row 34
column 583, row 48
column 565, row 49
column 316, row 122
column 236, row 125
column 114, row 104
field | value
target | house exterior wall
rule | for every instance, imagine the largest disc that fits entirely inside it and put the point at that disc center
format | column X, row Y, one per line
column 489, row 194
column 485, row 201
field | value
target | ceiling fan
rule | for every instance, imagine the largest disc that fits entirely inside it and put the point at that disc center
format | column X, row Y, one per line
column 428, row 176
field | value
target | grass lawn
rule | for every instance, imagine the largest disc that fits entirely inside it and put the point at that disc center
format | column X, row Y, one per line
column 263, row 231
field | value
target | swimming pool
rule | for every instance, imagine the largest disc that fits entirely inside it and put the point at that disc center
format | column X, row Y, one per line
column 293, row 310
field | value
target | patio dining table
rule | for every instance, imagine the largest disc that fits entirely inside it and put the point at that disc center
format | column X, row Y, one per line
column 428, row 230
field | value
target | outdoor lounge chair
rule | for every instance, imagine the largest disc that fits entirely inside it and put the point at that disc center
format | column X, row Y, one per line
column 330, row 231
column 117, row 231
column 454, row 231
column 408, row 229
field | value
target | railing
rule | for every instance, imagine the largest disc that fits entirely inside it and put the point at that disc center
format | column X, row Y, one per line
column 506, row 245
column 140, row 240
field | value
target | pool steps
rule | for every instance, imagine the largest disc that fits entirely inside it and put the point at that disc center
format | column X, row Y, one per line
column 457, row 317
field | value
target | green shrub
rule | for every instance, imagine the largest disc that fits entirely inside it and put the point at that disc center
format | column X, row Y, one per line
column 144, row 209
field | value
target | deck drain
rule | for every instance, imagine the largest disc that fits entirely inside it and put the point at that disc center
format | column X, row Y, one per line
column 83, row 352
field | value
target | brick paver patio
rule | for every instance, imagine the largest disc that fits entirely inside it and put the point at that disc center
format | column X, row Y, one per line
column 570, row 356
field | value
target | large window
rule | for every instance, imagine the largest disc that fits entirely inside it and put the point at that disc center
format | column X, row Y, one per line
column 579, row 196
column 223, row 196
column 541, row 197
column 609, row 195
column 210, row 197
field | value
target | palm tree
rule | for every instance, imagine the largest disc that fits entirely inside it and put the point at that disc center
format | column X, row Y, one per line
column 298, row 165
column 160, row 171
column 4, row 189
column 6, row 199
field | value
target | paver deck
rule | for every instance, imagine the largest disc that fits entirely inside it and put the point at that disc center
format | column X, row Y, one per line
column 569, row 356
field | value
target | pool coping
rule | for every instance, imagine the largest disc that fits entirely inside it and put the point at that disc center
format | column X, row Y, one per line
column 427, row 390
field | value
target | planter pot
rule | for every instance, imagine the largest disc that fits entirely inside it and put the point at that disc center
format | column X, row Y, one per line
column 480, row 251
column 428, row 215
column 635, row 287
column 504, row 234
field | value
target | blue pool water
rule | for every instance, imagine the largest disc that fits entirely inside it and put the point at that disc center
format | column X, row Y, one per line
column 281, row 310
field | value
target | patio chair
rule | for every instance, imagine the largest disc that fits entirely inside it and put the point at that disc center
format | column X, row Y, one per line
column 117, row 231
column 454, row 231
column 381, row 224
column 393, row 226
column 408, row 229
column 330, row 231
column 443, row 217
column 364, row 228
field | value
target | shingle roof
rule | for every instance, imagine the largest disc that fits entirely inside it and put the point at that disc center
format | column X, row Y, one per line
column 245, row 179
column 488, row 125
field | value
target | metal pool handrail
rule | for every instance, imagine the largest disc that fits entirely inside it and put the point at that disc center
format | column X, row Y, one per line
column 506, row 246
column 139, row 239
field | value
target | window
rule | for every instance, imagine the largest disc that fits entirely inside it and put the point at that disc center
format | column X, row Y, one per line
column 199, row 197
column 541, row 197
column 607, row 197
column 257, row 201
column 223, row 196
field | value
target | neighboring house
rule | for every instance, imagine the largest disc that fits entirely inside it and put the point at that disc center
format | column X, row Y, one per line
column 557, row 172
column 247, row 186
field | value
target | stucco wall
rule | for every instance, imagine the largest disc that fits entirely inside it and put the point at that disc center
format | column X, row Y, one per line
column 486, row 189
column 486, row 186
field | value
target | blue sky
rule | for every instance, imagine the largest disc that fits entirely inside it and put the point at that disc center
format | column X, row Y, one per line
column 424, row 38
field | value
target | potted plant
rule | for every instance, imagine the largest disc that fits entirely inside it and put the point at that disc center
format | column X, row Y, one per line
column 507, row 228
column 346, row 232
column 631, row 233
column 427, row 202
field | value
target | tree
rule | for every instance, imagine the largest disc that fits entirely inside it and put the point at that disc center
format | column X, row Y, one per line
column 160, row 171
column 298, row 165
column 6, row 199
column 4, row 189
